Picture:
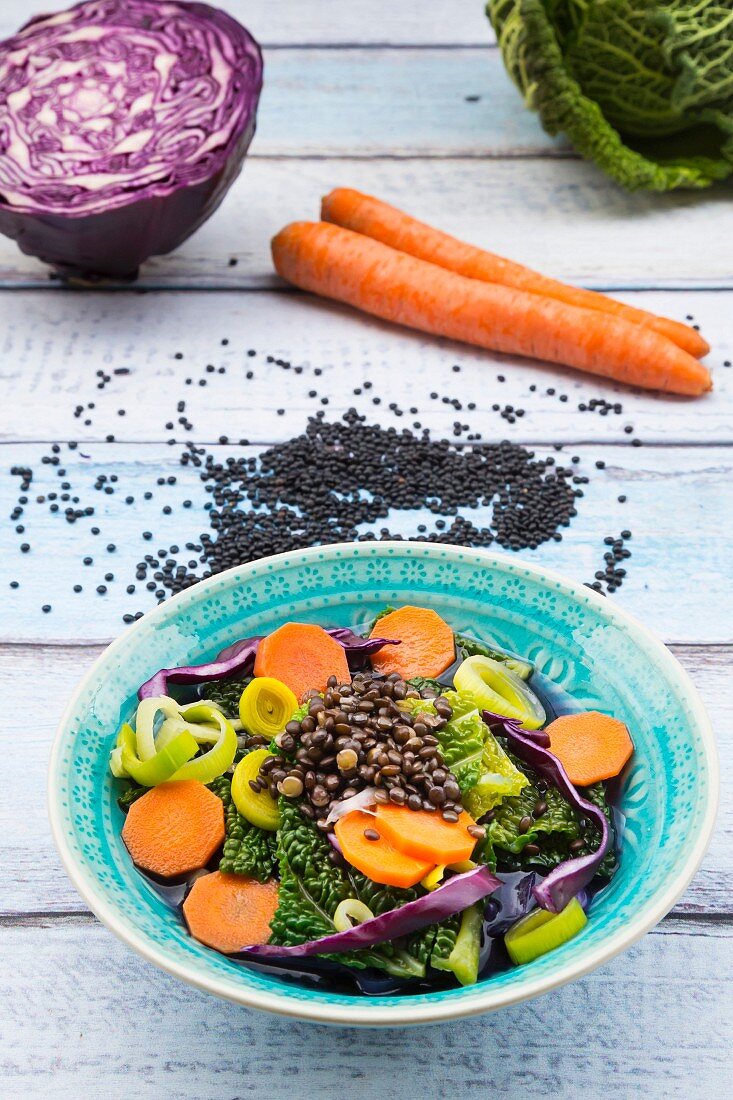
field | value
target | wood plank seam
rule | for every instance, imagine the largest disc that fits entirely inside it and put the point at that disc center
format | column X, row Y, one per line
column 39, row 919
column 270, row 284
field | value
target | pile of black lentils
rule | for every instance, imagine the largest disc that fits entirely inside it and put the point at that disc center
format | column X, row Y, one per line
column 340, row 481
column 327, row 484
column 357, row 736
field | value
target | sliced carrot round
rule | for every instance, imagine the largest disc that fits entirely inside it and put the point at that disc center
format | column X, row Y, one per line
column 590, row 746
column 229, row 912
column 423, row 835
column 175, row 828
column 378, row 859
column 303, row 657
column 426, row 647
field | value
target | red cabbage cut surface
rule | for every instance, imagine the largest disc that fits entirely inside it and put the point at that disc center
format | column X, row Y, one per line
column 122, row 125
column 566, row 880
column 239, row 657
column 457, row 894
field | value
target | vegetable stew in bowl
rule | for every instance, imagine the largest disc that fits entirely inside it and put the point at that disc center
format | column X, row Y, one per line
column 257, row 875
column 394, row 809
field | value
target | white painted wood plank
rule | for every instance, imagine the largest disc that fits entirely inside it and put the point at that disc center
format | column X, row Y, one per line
column 432, row 22
column 34, row 881
column 364, row 103
column 52, row 347
column 561, row 216
column 85, row 1016
column 676, row 500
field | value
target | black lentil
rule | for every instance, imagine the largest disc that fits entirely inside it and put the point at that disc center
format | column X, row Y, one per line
column 311, row 489
column 319, row 487
column 357, row 736
column 612, row 575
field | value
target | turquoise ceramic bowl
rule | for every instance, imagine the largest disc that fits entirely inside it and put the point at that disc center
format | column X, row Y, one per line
column 595, row 651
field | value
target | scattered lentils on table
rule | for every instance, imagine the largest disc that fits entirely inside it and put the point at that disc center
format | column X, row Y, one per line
column 335, row 480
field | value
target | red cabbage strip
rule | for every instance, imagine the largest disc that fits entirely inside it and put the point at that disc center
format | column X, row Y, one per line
column 238, row 659
column 566, row 880
column 357, row 648
column 457, row 894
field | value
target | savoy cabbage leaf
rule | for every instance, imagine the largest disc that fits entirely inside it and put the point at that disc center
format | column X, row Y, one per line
column 311, row 887
column 248, row 850
column 482, row 769
column 552, row 833
column 131, row 793
column 643, row 88
column 426, row 685
column 225, row 694
column 472, row 647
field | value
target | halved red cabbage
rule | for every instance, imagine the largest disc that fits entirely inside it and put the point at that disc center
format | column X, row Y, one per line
column 566, row 880
column 239, row 657
column 122, row 125
column 457, row 894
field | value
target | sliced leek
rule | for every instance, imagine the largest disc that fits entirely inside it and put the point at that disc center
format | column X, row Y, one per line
column 496, row 688
column 463, row 960
column 145, row 718
column 433, row 878
column 158, row 768
column 349, row 912
column 259, row 807
column 151, row 756
column 207, row 724
column 266, row 706
column 541, row 931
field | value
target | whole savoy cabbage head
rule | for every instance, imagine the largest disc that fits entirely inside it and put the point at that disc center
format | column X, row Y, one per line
column 644, row 89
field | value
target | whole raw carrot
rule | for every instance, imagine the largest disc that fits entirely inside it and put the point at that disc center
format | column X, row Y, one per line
column 374, row 218
column 348, row 267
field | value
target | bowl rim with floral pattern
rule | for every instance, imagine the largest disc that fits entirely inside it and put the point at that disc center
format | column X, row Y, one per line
column 345, row 584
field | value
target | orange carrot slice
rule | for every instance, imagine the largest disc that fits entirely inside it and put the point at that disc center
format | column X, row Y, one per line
column 175, row 828
column 427, row 647
column 590, row 746
column 373, row 277
column 303, row 657
column 378, row 859
column 422, row 835
column 229, row 912
column 374, row 218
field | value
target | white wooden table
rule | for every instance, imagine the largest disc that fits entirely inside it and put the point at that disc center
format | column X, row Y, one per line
column 380, row 96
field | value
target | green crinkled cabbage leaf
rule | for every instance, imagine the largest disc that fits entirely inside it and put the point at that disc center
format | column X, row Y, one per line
column 471, row 647
column 131, row 793
column 248, row 850
column 426, row 684
column 225, row 694
column 482, row 769
column 435, row 944
column 643, row 88
column 311, row 887
column 552, row 832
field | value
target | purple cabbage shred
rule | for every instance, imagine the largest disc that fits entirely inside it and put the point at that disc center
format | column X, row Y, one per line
column 569, row 878
column 238, row 659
